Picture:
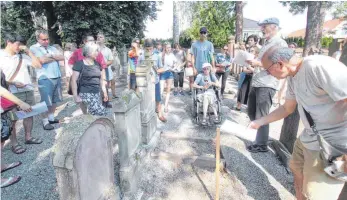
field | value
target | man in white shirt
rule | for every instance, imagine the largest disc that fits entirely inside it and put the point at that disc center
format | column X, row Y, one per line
column 317, row 84
column 14, row 62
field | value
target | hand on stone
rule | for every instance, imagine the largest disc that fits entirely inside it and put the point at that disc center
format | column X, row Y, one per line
column 77, row 99
column 254, row 125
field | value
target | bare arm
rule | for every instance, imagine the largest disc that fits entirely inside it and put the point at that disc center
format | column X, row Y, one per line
column 103, row 82
column 8, row 95
column 35, row 62
column 197, row 86
column 58, row 57
column 108, row 63
column 213, row 64
column 280, row 113
column 74, row 78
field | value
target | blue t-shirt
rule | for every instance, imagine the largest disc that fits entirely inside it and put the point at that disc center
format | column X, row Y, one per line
column 203, row 52
column 48, row 70
column 157, row 63
column 222, row 58
column 202, row 79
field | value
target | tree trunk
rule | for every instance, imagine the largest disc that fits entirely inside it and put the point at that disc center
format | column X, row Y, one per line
column 176, row 32
column 51, row 22
column 289, row 130
column 239, row 21
column 343, row 57
column 314, row 26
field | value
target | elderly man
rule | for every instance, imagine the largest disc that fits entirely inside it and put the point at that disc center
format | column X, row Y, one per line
column 202, row 52
column 264, row 85
column 318, row 85
column 49, row 76
column 14, row 62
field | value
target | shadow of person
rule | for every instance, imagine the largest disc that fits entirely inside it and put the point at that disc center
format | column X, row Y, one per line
column 251, row 176
column 275, row 168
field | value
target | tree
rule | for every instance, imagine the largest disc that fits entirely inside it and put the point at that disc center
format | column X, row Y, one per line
column 67, row 21
column 239, row 21
column 217, row 17
column 175, row 23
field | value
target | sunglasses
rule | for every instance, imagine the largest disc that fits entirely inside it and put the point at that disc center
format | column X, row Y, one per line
column 203, row 32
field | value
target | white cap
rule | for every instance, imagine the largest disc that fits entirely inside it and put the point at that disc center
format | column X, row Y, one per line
column 206, row 65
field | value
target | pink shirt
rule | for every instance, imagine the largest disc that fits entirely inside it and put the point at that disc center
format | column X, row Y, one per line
column 77, row 56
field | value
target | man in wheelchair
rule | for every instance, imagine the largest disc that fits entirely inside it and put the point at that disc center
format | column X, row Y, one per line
column 206, row 94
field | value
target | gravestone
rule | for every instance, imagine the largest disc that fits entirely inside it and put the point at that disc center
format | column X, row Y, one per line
column 84, row 159
column 146, row 87
column 127, row 118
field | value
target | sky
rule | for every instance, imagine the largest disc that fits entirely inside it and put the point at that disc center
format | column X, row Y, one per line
column 254, row 9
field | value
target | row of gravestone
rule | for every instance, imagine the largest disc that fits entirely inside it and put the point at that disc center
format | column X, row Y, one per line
column 99, row 157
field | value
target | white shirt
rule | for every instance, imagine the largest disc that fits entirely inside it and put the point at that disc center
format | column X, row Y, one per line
column 169, row 61
column 9, row 63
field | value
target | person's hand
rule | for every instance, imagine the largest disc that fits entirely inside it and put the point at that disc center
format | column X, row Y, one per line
column 105, row 97
column 343, row 158
column 25, row 107
column 254, row 124
column 24, row 48
column 252, row 62
column 206, row 86
column 77, row 99
column 19, row 84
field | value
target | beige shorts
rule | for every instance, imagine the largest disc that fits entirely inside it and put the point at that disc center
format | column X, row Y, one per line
column 317, row 185
column 28, row 97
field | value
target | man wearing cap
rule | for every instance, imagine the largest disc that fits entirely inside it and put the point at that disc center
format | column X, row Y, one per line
column 202, row 52
column 264, row 85
column 157, row 68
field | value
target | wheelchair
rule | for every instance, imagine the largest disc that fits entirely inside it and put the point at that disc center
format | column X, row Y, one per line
column 197, row 108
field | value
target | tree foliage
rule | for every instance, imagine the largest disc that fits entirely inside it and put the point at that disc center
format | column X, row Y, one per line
column 120, row 21
column 217, row 16
column 340, row 9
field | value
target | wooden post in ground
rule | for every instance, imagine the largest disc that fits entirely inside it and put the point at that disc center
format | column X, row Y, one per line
column 217, row 162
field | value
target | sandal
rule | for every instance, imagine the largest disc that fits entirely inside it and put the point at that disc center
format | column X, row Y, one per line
column 257, row 148
column 33, row 140
column 11, row 166
column 48, row 127
column 18, row 149
column 10, row 181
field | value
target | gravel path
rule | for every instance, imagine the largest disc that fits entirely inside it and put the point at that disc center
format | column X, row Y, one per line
column 250, row 176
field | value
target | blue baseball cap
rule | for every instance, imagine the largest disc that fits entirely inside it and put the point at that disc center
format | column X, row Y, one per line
column 272, row 20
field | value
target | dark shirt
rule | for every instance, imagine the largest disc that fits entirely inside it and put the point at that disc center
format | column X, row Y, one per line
column 90, row 78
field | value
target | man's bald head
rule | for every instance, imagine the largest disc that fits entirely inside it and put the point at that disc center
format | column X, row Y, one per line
column 276, row 55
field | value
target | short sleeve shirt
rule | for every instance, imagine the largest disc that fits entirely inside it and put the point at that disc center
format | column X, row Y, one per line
column 261, row 78
column 203, row 52
column 9, row 63
column 202, row 80
column 319, row 86
column 78, row 55
column 90, row 79
column 156, row 61
column 48, row 70
column 222, row 58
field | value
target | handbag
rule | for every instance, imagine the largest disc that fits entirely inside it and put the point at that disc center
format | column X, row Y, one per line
column 69, row 91
column 328, row 152
column 189, row 71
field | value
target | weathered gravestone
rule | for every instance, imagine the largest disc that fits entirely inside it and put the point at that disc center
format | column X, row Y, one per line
column 128, row 127
column 146, row 87
column 84, row 159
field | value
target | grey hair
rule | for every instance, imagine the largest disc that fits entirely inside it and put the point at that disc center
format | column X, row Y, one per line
column 39, row 32
column 89, row 48
column 281, row 54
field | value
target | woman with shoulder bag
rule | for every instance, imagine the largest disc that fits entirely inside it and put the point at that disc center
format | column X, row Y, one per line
column 8, row 102
column 87, row 82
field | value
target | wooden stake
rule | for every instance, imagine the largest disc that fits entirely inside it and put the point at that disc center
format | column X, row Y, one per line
column 217, row 162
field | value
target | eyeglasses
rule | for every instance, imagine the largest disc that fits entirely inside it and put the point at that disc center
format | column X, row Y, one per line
column 203, row 32
column 205, row 69
column 268, row 69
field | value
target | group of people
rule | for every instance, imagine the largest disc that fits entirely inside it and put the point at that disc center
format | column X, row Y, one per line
column 316, row 87
column 89, row 71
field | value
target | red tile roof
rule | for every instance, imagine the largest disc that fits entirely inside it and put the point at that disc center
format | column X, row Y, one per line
column 328, row 26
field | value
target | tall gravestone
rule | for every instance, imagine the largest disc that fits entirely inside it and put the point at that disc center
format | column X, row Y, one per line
column 146, row 88
column 84, row 160
column 127, row 118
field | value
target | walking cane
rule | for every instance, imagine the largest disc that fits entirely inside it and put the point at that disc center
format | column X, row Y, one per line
column 217, row 162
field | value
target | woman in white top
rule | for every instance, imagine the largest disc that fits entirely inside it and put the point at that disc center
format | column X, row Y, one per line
column 169, row 65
